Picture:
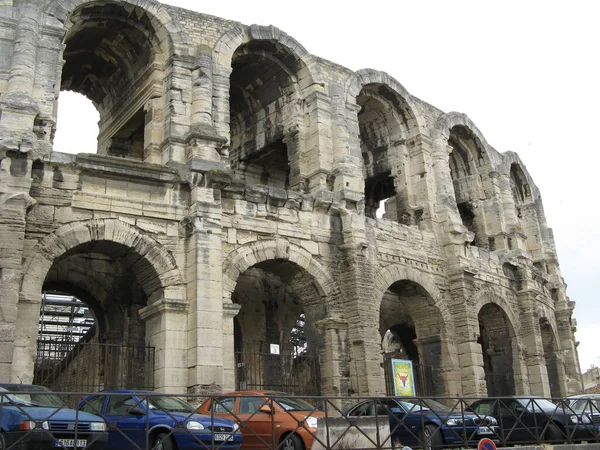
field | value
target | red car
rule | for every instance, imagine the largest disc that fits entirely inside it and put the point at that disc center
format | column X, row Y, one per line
column 267, row 419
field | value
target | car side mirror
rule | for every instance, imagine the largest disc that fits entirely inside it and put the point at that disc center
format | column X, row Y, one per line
column 136, row 411
column 519, row 409
column 265, row 409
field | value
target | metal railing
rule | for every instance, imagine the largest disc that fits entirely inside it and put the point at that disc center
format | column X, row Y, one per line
column 148, row 420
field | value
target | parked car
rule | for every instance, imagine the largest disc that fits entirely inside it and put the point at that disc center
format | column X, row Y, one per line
column 586, row 403
column 34, row 418
column 142, row 419
column 530, row 419
column 427, row 423
column 268, row 419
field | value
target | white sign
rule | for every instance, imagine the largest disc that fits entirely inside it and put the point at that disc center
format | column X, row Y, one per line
column 274, row 349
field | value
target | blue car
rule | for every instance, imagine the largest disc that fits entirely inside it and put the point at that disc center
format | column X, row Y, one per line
column 141, row 420
column 427, row 424
column 34, row 418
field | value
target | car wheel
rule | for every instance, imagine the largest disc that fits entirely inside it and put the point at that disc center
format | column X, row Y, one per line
column 162, row 441
column 553, row 433
column 431, row 438
column 291, row 442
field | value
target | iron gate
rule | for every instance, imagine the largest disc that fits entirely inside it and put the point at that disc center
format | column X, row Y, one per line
column 294, row 374
column 90, row 367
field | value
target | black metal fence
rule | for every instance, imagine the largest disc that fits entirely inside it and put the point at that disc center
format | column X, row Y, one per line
column 135, row 420
column 295, row 374
column 88, row 366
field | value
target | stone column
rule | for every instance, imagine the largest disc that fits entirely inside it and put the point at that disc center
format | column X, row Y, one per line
column 230, row 310
column 466, row 328
column 537, row 375
column 15, row 183
column 316, row 156
column 422, row 192
column 166, row 322
column 204, row 272
column 333, row 354
column 177, row 105
column 569, row 357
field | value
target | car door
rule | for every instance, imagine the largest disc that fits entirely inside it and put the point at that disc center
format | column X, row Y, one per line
column 262, row 425
column 516, row 421
column 127, row 430
column 404, row 427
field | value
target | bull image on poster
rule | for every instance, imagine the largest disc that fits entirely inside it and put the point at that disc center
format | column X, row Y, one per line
column 404, row 380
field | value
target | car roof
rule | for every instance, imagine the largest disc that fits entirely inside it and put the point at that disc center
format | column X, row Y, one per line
column 256, row 392
column 18, row 387
column 584, row 396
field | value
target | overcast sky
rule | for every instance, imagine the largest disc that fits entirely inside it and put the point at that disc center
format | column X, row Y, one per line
column 525, row 72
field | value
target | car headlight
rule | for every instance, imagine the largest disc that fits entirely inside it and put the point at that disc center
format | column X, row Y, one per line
column 236, row 427
column 311, row 422
column 454, row 422
column 580, row 419
column 193, row 425
column 33, row 425
column 97, row 426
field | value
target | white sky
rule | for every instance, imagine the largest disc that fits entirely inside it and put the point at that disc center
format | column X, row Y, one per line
column 526, row 72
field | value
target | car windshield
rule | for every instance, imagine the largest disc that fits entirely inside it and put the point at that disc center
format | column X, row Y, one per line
column 167, row 403
column 427, row 404
column 293, row 404
column 538, row 403
column 25, row 396
column 585, row 404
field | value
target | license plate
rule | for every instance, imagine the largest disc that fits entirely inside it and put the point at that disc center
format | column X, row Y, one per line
column 223, row 437
column 71, row 443
column 484, row 430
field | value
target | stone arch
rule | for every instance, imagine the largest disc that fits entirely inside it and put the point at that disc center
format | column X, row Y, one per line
column 69, row 236
column 447, row 121
column 501, row 352
column 395, row 272
column 486, row 297
column 239, row 35
column 510, row 159
column 60, row 11
column 363, row 77
column 248, row 255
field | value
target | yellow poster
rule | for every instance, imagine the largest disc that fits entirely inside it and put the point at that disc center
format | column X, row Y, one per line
column 404, row 380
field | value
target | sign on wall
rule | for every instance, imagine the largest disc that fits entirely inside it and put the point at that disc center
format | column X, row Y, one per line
column 404, row 380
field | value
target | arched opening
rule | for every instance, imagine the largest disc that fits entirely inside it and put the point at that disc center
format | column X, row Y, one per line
column 410, row 328
column 113, row 56
column 466, row 157
column 275, row 340
column 551, row 357
column 95, row 283
column 496, row 340
column 383, row 122
column 263, row 108
column 76, row 124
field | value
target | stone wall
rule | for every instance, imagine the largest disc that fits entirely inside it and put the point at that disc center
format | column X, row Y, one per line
column 240, row 182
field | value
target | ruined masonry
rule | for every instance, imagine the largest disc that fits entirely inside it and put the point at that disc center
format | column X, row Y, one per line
column 258, row 216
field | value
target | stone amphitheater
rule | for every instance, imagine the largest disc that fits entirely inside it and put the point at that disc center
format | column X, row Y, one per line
column 252, row 208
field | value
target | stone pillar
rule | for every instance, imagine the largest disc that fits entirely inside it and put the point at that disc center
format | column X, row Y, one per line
column 177, row 105
column 536, row 382
column 569, row 357
column 15, row 183
column 230, row 310
column 204, row 272
column 166, row 322
column 316, row 158
column 421, row 192
column 333, row 352
column 466, row 329
column 24, row 55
